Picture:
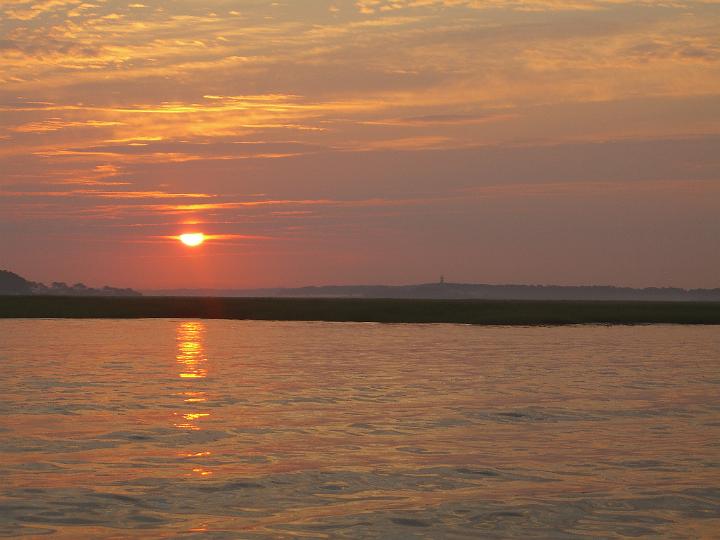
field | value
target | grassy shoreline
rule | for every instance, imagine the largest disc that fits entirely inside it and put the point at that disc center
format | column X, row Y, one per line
column 489, row 312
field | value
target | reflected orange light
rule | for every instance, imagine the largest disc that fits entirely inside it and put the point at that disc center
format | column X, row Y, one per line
column 196, row 454
column 190, row 354
column 194, row 416
column 191, row 360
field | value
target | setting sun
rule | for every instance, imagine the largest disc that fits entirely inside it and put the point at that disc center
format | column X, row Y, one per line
column 192, row 239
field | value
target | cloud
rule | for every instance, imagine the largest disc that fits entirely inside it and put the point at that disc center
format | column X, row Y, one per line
column 55, row 124
column 442, row 119
column 129, row 113
column 106, row 194
column 25, row 11
column 380, row 6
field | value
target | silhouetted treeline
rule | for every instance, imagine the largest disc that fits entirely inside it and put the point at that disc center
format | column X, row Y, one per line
column 466, row 291
column 11, row 283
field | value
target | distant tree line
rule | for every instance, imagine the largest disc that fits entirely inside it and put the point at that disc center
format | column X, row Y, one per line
column 11, row 283
column 467, row 291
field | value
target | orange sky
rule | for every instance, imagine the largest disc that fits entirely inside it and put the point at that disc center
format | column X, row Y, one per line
column 361, row 141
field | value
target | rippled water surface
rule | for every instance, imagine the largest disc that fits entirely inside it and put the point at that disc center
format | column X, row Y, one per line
column 242, row 429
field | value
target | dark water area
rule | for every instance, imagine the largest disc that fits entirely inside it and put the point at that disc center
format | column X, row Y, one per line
column 249, row 429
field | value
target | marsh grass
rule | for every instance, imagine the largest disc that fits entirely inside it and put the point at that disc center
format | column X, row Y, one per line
column 370, row 310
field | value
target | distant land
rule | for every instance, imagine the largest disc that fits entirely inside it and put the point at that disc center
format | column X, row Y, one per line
column 426, row 303
column 13, row 284
column 462, row 291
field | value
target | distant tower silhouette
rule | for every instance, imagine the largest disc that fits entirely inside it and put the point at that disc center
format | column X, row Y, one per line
column 442, row 280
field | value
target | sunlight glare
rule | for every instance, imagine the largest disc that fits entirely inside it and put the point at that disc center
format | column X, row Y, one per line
column 192, row 239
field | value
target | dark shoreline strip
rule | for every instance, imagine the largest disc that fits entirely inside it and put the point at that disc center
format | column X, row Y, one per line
column 490, row 312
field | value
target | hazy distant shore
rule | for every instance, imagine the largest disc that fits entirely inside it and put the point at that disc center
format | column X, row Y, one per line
column 464, row 291
column 490, row 312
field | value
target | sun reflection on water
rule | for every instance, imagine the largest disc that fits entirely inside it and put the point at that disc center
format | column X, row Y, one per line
column 191, row 353
column 192, row 362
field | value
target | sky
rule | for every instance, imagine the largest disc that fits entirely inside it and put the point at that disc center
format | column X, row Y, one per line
column 360, row 142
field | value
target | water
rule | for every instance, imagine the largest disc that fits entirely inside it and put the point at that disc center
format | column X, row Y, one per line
column 242, row 429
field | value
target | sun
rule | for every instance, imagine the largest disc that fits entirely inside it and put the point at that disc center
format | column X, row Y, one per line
column 192, row 239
